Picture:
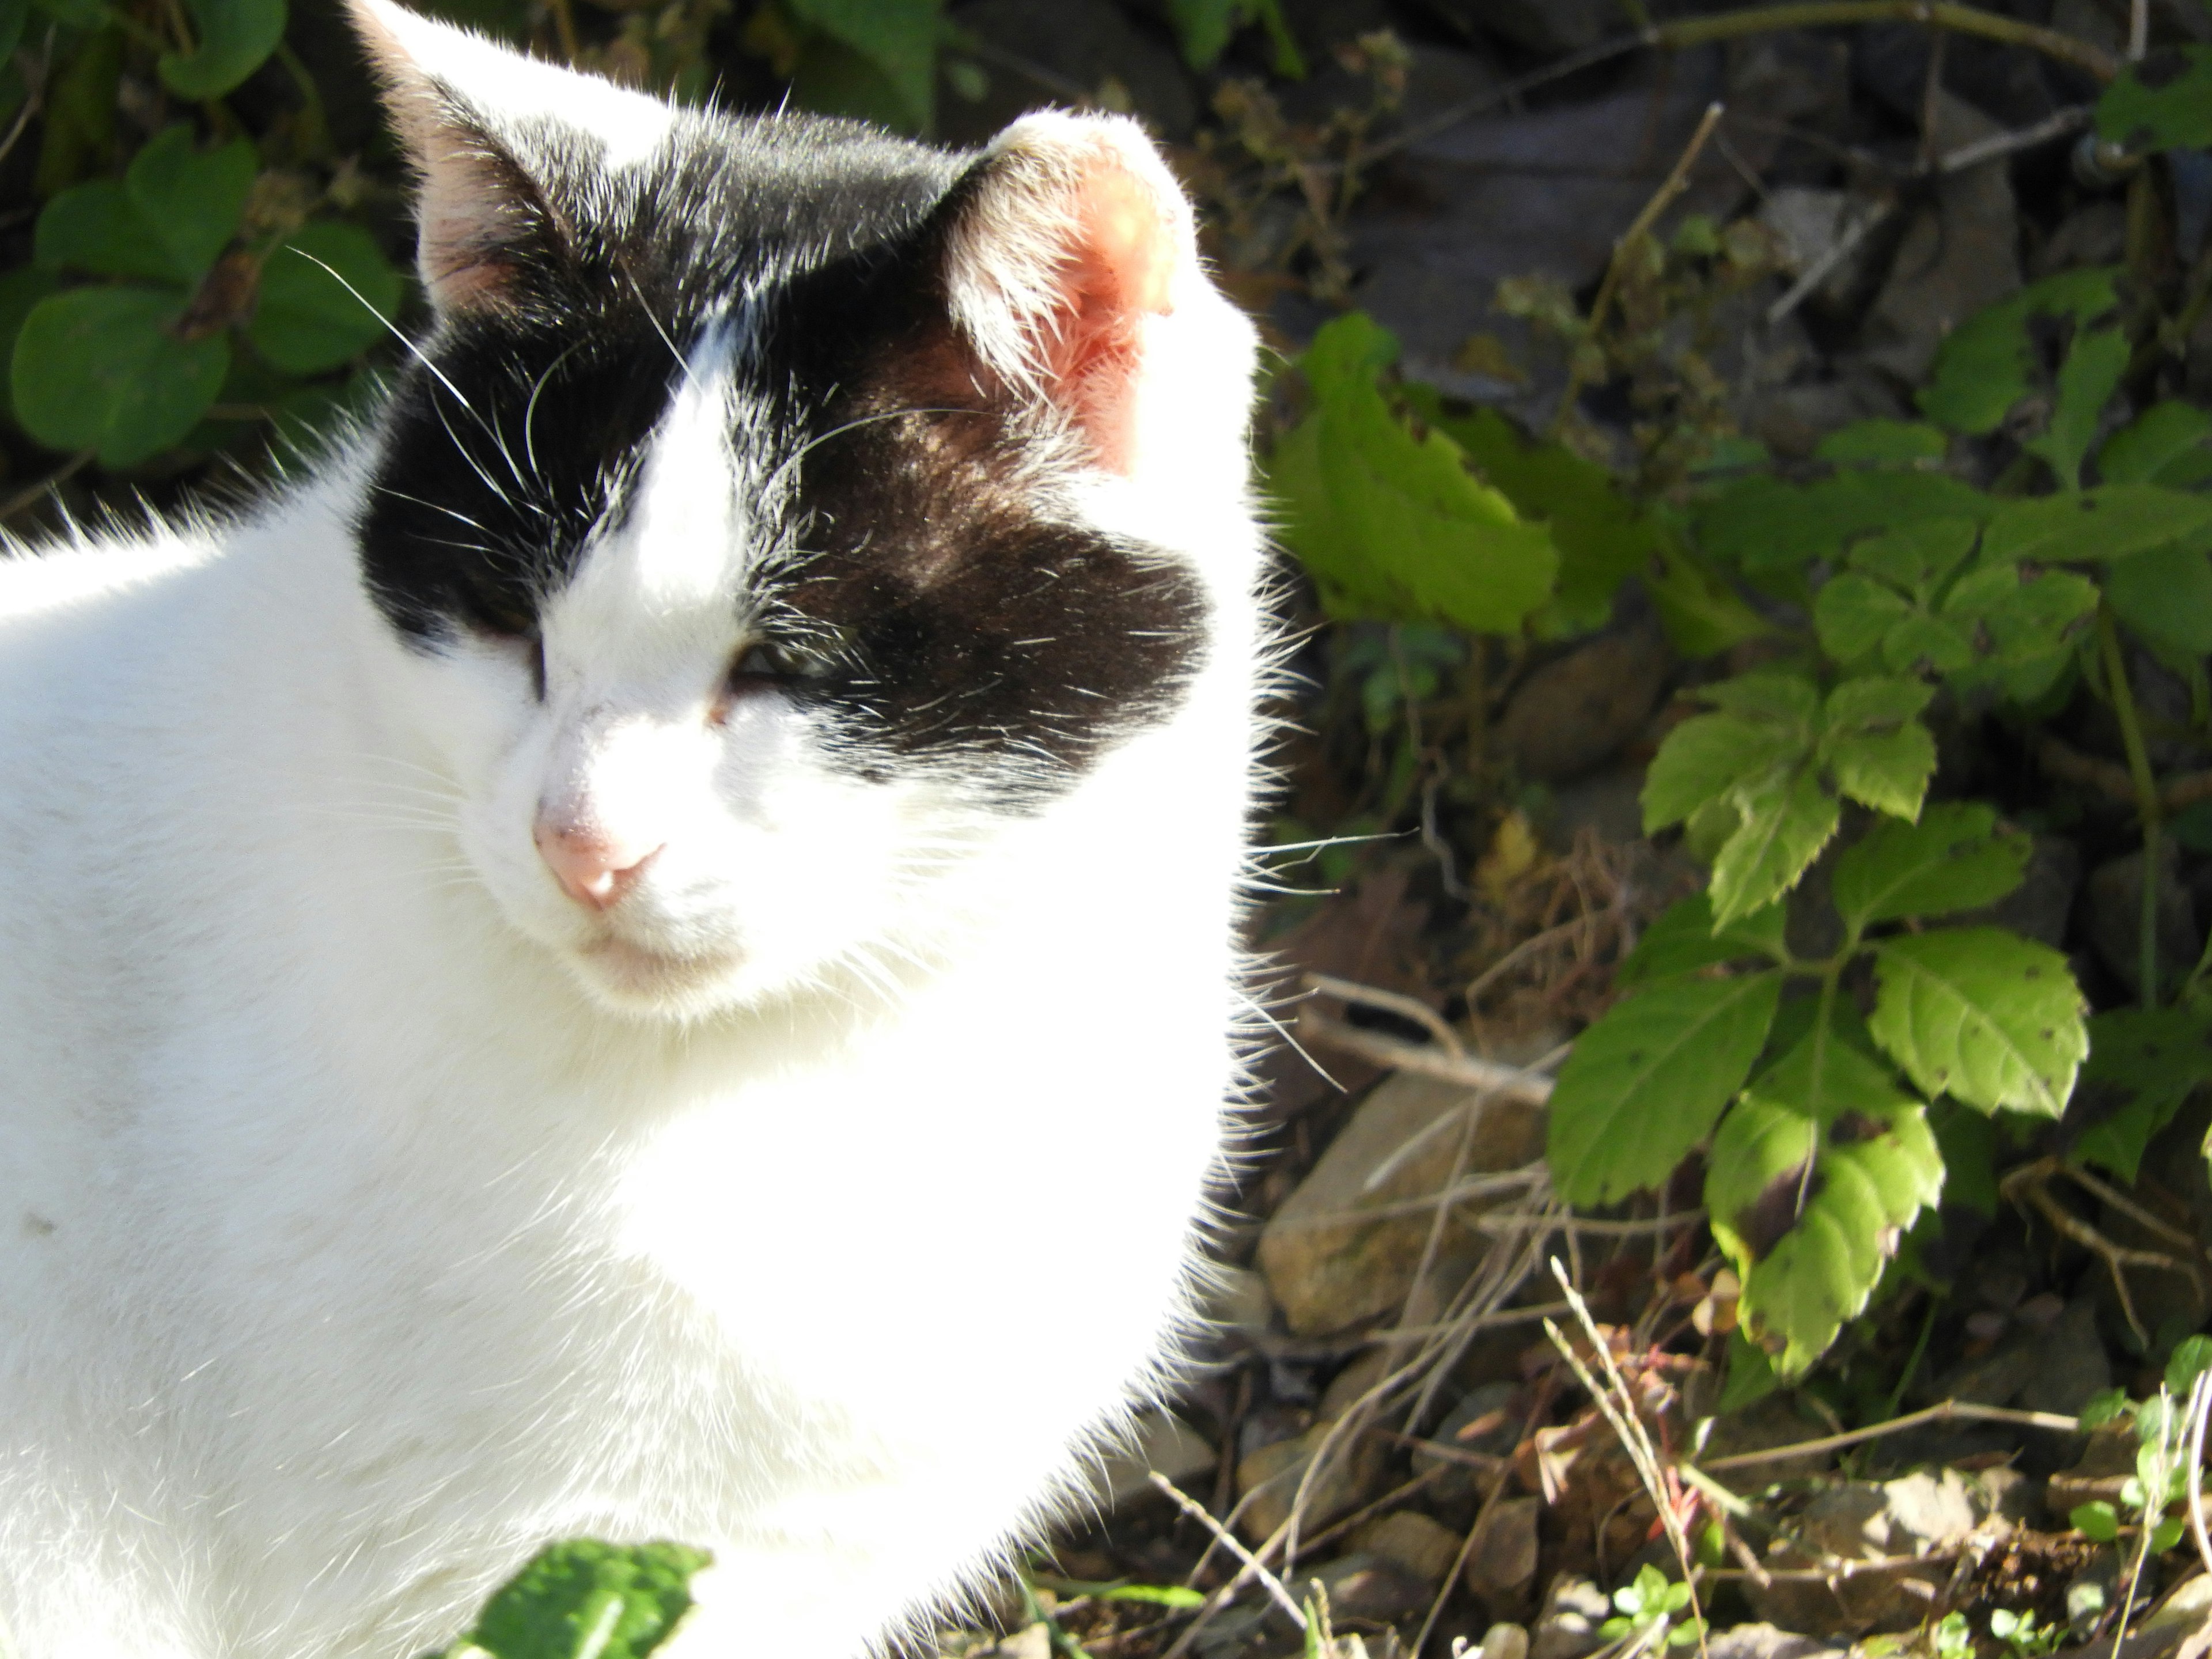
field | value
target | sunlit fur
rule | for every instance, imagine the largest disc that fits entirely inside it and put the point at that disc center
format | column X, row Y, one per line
column 370, row 1214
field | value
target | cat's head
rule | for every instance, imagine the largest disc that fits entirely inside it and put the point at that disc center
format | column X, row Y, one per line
column 779, row 514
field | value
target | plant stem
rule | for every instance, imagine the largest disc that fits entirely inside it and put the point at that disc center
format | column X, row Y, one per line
column 1826, row 14
column 2147, row 802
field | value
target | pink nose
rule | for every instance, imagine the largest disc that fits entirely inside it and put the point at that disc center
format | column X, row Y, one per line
column 591, row 870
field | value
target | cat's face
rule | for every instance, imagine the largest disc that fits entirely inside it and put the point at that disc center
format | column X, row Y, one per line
column 776, row 518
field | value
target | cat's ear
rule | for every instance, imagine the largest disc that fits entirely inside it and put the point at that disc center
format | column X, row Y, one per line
column 1068, row 239
column 491, row 134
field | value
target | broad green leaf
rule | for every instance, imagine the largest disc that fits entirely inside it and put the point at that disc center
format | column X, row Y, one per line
column 1788, row 819
column 2108, row 522
column 898, row 37
column 1875, row 747
column 1873, row 703
column 326, row 296
column 2142, row 1064
column 2169, row 443
column 1916, row 557
column 2086, row 379
column 1777, row 697
column 1988, row 1017
column 2023, row 625
column 1404, row 503
column 1829, row 1071
column 20, row 290
column 1924, row 643
column 1811, row 1197
column 1352, row 583
column 1706, row 756
column 14, row 14
column 2165, row 595
column 1702, row 615
column 604, row 1600
column 98, row 368
column 1883, row 443
column 1954, row 858
column 1204, row 27
column 1601, row 536
column 1646, row 1083
column 1968, row 1139
column 1762, row 524
column 236, row 39
column 191, row 198
column 2165, row 102
column 1684, row 938
column 2096, row 1521
column 1750, row 1376
column 1853, row 615
column 1987, row 364
column 95, row 226
column 2191, row 1359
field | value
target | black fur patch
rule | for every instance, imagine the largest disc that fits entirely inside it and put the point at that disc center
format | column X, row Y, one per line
column 954, row 617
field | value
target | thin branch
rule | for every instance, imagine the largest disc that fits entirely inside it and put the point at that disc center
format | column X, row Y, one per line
column 1949, row 1411
column 1513, row 1084
column 1197, row 1511
column 1405, row 1007
column 26, row 497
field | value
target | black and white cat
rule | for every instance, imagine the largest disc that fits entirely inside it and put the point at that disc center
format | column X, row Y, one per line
column 649, row 952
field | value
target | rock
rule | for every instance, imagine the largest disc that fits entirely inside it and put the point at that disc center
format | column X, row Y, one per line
column 1071, row 49
column 1270, row 1478
column 1237, row 1299
column 1859, row 1521
column 1807, row 225
column 1424, row 1547
column 1328, row 1267
column 1370, row 1587
column 1502, row 1559
column 1504, row 1641
column 2094, row 235
column 2071, row 1361
column 1576, row 710
column 2041, row 904
column 1791, row 420
column 1567, row 1628
column 1491, row 1401
column 2107, row 1463
column 1351, row 1384
column 1956, row 258
column 1766, row 1641
column 2112, row 917
column 1770, row 1422
column 1164, row 1443
column 2010, row 1495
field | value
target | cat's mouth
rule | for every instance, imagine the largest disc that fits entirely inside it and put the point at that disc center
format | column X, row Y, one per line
column 637, row 976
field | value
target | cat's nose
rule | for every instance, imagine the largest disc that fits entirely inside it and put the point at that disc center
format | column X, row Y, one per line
column 592, row 869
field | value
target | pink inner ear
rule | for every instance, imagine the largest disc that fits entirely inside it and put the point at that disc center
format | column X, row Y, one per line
column 1117, row 271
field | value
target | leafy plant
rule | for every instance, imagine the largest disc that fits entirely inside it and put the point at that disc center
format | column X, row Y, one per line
column 587, row 1600
column 2022, row 1637
column 1650, row 1614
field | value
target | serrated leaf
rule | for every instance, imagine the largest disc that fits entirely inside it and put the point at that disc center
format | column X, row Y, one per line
column 1954, row 858
column 1853, row 614
column 1763, row 524
column 1684, row 938
column 1987, row 364
column 1874, row 703
column 609, row 1601
column 98, row 368
column 2024, row 624
column 1874, row 745
column 2166, row 596
column 1990, row 1017
column 2164, row 102
column 1883, row 443
column 1705, row 756
column 2093, row 526
column 1915, row 558
column 191, row 199
column 236, row 39
column 1702, row 615
column 1831, row 1071
column 1788, row 819
column 2087, row 380
column 2169, row 443
column 1777, row 697
column 1922, row 643
column 1404, row 503
column 1645, row 1084
column 2142, row 1064
column 326, row 296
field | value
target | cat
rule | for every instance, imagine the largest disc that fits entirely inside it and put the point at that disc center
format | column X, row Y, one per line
column 647, row 949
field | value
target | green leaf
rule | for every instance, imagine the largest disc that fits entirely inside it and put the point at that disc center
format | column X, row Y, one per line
column 2086, row 379
column 1875, row 746
column 2166, row 596
column 95, row 226
column 2191, row 1359
column 1645, row 1084
column 2106, row 523
column 326, row 296
column 1685, row 939
column 14, row 14
column 1883, row 443
column 1992, row 1018
column 2169, row 443
column 1915, row 558
column 1853, row 615
column 191, row 199
column 1381, row 498
column 1954, row 858
column 1705, row 756
column 2142, row 1064
column 2023, row 625
column 1788, row 819
column 1969, row 1142
column 1204, row 27
column 2096, row 1521
column 611, row 1602
column 1987, row 363
column 1762, row 524
column 897, row 39
column 20, row 290
column 1702, row 613
column 98, row 368
column 236, row 39
column 2164, row 102
column 1815, row 1176
column 1750, row 1376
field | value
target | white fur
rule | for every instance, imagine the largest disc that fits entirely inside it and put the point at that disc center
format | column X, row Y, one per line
column 371, row 1215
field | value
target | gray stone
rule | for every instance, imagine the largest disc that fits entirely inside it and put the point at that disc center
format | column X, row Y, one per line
column 1955, row 259
column 1567, row 1628
column 1268, row 1480
column 1370, row 1586
column 2071, row 1362
column 1504, row 1641
column 1501, row 1561
column 1163, row 1443
column 1330, row 1265
column 1577, row 709
column 1237, row 1299
column 1424, row 1547
column 1766, row 1641
column 1914, row 1516
column 2112, row 910
column 2094, row 235
column 1807, row 226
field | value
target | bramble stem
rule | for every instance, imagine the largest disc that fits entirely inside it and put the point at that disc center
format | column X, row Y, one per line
column 2147, row 801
